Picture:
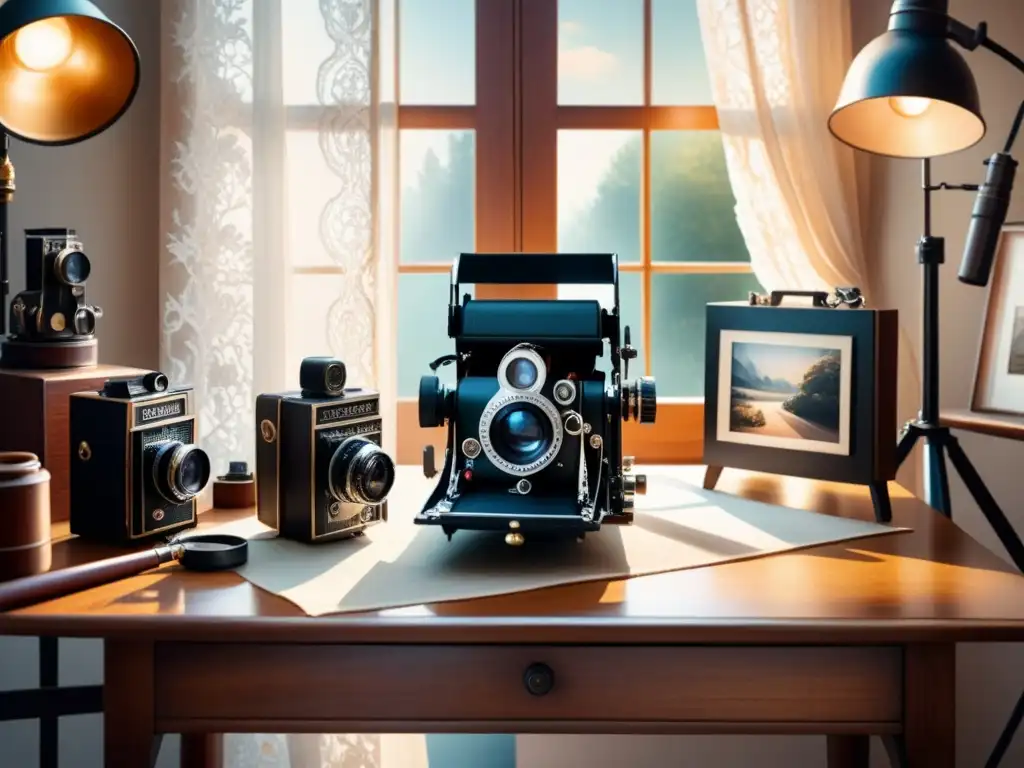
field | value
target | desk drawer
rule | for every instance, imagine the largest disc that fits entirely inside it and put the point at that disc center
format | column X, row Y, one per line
column 433, row 684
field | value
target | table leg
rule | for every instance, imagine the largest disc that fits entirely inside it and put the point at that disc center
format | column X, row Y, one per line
column 929, row 705
column 848, row 751
column 202, row 750
column 129, row 739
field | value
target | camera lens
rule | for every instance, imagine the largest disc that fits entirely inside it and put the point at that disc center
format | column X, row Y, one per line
column 72, row 267
column 179, row 471
column 322, row 376
column 521, row 433
column 334, row 377
column 360, row 472
column 432, row 403
column 521, row 373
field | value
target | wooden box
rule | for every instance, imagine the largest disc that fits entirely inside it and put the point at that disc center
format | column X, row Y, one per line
column 34, row 417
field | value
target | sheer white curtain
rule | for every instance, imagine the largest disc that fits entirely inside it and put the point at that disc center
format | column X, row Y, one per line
column 277, row 237
column 776, row 67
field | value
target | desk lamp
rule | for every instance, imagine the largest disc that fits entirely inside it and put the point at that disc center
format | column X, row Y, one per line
column 67, row 73
column 909, row 93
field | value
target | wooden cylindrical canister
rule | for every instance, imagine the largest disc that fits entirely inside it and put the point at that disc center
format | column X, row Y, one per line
column 24, row 516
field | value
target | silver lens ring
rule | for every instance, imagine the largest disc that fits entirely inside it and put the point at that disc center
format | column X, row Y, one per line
column 564, row 392
column 499, row 401
column 522, row 352
column 350, row 491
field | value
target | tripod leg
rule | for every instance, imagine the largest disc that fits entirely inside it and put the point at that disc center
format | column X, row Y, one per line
column 905, row 445
column 880, row 500
column 936, row 487
column 988, row 505
column 1003, row 744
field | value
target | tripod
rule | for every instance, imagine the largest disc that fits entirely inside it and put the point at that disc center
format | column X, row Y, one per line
column 939, row 441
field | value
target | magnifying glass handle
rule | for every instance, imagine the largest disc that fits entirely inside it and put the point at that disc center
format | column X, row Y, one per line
column 30, row 590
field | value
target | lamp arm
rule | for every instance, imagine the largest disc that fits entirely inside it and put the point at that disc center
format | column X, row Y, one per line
column 971, row 39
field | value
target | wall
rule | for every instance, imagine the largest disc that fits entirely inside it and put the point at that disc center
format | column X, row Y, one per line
column 989, row 678
column 107, row 189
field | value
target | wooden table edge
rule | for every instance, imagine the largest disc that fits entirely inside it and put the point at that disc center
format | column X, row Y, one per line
column 514, row 630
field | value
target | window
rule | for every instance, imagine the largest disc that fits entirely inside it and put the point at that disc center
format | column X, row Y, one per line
column 577, row 125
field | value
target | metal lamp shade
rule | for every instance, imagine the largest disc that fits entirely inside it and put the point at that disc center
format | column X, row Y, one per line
column 66, row 71
column 908, row 94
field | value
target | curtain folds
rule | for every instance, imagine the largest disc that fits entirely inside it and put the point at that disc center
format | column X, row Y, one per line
column 776, row 68
column 235, row 319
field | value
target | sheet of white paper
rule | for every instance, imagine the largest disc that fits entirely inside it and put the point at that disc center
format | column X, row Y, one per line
column 676, row 526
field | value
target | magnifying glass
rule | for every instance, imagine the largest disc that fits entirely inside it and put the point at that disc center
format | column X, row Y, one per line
column 202, row 552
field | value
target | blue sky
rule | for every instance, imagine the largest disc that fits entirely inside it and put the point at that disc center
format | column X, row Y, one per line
column 600, row 46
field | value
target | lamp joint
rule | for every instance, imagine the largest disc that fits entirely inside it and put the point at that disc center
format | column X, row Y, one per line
column 931, row 250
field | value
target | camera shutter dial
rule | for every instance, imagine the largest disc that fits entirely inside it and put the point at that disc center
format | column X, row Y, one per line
column 564, row 392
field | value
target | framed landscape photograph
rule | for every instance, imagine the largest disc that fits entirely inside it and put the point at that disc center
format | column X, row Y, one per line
column 785, row 390
column 999, row 381
column 802, row 390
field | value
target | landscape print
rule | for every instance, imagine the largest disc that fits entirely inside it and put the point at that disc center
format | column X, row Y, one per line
column 789, row 392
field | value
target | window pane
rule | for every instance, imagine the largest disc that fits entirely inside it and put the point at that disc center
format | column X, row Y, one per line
column 437, row 204
column 310, row 187
column 678, row 326
column 599, row 192
column 437, row 52
column 629, row 312
column 693, row 216
column 305, row 46
column 679, row 75
column 600, row 52
column 423, row 329
column 309, row 322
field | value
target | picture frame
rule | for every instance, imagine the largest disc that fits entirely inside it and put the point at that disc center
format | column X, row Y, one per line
column 999, row 374
column 806, row 391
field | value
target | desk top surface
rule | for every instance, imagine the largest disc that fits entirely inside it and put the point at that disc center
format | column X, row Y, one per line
column 934, row 583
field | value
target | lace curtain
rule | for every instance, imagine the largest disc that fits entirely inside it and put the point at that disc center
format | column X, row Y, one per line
column 776, row 67
column 236, row 213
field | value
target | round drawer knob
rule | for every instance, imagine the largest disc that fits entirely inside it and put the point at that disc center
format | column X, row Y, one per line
column 539, row 679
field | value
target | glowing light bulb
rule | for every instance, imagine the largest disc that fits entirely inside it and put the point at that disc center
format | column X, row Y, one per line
column 43, row 45
column 909, row 106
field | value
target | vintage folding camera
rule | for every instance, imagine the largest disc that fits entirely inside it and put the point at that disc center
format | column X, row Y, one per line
column 534, row 425
column 53, row 305
column 135, row 467
column 321, row 473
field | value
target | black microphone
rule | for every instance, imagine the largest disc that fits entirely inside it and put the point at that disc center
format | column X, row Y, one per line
column 987, row 219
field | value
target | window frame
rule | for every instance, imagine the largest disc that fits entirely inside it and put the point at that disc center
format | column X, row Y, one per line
column 516, row 200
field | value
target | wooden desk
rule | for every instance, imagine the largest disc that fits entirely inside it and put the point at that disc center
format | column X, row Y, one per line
column 844, row 640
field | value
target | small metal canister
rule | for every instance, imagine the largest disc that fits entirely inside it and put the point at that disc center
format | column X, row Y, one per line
column 24, row 516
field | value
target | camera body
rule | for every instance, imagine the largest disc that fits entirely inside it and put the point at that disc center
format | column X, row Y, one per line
column 321, row 474
column 136, row 471
column 534, row 425
column 53, row 306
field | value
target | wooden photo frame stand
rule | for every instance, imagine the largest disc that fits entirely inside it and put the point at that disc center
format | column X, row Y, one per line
column 866, row 355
